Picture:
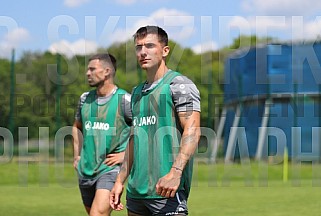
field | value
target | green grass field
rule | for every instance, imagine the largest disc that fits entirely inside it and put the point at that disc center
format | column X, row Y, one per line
column 221, row 189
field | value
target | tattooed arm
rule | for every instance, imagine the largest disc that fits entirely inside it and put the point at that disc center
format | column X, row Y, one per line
column 190, row 122
column 118, row 188
column 190, row 138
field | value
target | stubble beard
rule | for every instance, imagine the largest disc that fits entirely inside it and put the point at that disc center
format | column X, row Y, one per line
column 96, row 84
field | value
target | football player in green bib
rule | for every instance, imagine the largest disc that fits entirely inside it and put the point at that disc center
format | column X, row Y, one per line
column 165, row 134
column 100, row 131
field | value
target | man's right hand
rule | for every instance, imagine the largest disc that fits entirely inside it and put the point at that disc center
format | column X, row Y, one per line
column 115, row 196
column 76, row 161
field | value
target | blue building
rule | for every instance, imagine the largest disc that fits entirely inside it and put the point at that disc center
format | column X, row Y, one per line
column 272, row 102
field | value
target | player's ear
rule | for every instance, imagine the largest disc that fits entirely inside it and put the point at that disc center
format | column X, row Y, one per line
column 107, row 72
column 166, row 50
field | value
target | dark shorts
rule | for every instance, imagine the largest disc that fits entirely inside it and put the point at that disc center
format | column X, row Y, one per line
column 160, row 207
column 88, row 187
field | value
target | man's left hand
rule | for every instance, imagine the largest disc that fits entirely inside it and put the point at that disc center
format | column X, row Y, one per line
column 114, row 159
column 168, row 184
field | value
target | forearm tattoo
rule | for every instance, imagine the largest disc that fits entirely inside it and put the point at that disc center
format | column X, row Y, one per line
column 188, row 145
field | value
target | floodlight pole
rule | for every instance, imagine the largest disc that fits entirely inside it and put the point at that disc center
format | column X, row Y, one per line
column 58, row 92
column 12, row 93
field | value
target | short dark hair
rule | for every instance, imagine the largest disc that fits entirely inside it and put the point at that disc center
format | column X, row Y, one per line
column 144, row 31
column 107, row 58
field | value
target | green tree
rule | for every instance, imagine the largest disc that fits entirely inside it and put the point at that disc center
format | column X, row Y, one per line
column 5, row 92
column 41, row 90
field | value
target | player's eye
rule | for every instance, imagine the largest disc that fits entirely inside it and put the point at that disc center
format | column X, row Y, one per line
column 149, row 45
column 91, row 69
column 138, row 48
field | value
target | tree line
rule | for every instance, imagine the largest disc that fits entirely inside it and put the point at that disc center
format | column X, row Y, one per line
column 48, row 86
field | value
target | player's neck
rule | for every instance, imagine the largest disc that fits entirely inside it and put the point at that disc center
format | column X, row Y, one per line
column 105, row 89
column 155, row 74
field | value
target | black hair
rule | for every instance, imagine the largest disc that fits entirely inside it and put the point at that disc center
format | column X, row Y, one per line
column 105, row 57
column 144, row 31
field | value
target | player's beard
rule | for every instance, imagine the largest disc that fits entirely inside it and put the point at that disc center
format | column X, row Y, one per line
column 96, row 84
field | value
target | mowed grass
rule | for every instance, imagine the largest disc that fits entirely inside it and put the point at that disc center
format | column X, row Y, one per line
column 220, row 189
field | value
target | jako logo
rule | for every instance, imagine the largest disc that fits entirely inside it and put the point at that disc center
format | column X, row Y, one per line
column 88, row 125
column 96, row 126
column 144, row 120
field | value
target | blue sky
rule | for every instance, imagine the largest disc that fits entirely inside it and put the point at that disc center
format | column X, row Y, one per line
column 80, row 26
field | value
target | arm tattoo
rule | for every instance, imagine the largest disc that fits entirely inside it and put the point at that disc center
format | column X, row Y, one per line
column 123, row 169
column 189, row 139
